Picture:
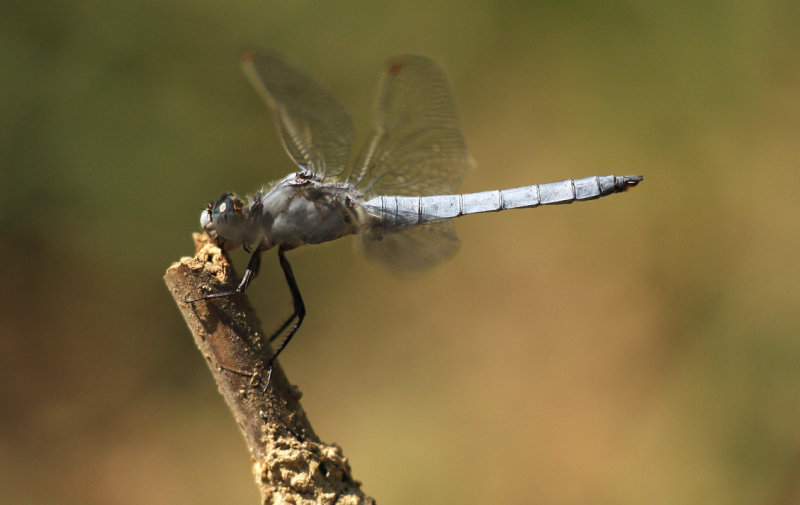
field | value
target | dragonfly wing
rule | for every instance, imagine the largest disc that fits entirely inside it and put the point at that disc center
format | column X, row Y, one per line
column 414, row 249
column 315, row 129
column 416, row 146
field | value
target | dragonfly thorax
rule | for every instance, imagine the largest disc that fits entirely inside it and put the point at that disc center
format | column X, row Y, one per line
column 301, row 210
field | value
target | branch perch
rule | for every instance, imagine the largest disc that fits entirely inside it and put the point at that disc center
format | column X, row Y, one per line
column 290, row 463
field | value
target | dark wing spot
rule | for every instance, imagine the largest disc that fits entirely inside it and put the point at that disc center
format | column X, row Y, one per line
column 394, row 68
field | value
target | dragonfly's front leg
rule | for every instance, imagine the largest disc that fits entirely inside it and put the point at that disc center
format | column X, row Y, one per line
column 249, row 275
column 299, row 314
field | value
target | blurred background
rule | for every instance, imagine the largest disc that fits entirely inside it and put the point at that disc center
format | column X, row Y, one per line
column 643, row 348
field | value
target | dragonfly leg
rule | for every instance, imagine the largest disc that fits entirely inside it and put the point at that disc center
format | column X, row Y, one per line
column 249, row 275
column 299, row 314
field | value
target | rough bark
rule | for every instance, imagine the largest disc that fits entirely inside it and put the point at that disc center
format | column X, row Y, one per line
column 290, row 463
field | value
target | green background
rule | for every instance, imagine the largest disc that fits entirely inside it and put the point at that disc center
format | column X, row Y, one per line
column 643, row 348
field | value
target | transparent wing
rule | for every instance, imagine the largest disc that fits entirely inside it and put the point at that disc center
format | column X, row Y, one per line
column 414, row 249
column 315, row 129
column 416, row 146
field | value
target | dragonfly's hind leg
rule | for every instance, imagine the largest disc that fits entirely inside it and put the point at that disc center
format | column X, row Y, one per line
column 252, row 270
column 299, row 314
column 299, row 307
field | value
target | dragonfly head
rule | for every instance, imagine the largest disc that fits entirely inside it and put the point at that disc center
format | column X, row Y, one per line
column 225, row 222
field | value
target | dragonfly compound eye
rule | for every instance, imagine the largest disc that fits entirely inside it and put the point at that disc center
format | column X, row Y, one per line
column 228, row 221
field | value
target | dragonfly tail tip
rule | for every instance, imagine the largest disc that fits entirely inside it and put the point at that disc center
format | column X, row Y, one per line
column 628, row 181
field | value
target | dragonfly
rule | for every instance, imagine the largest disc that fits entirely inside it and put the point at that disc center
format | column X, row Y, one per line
column 399, row 196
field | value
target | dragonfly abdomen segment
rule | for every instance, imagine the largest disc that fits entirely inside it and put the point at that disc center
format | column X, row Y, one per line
column 411, row 210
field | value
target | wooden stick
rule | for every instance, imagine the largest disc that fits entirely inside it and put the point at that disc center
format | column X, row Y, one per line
column 290, row 463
